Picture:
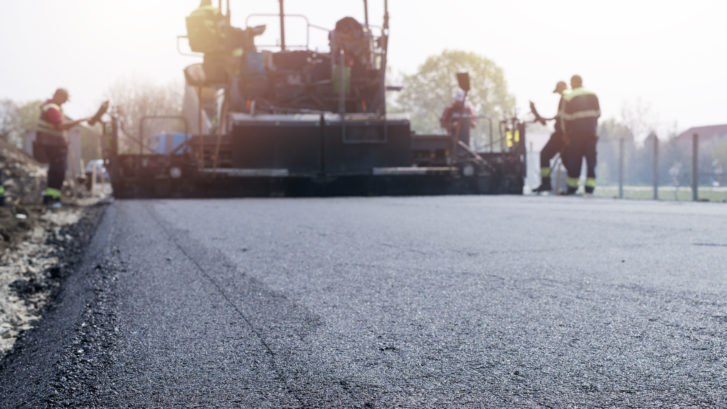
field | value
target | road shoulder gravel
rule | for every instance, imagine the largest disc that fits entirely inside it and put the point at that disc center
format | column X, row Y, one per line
column 33, row 370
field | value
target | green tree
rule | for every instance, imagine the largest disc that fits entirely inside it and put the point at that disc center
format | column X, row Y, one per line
column 7, row 113
column 429, row 91
column 17, row 119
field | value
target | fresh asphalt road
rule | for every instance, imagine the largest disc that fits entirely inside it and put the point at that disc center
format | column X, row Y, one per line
column 413, row 302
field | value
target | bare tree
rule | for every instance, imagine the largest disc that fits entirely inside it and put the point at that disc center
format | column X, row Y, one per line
column 639, row 117
column 134, row 99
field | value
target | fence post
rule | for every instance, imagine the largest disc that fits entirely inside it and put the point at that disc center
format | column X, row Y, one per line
column 656, row 167
column 621, row 168
column 695, row 167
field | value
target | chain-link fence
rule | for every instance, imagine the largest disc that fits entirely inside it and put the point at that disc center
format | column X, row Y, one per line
column 684, row 168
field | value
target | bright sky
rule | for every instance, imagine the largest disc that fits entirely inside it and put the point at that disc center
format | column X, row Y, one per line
column 670, row 54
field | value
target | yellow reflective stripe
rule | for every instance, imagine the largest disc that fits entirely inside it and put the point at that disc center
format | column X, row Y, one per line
column 42, row 123
column 577, row 92
column 51, row 105
column 2, row 190
column 593, row 113
column 591, row 182
column 54, row 193
column 572, row 182
column 511, row 141
column 544, row 171
column 47, row 127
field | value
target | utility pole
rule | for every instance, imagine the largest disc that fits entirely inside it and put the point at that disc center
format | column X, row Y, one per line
column 282, row 25
column 366, row 13
column 695, row 167
column 656, row 166
column 621, row 168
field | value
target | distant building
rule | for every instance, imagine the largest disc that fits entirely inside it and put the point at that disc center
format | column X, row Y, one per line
column 709, row 133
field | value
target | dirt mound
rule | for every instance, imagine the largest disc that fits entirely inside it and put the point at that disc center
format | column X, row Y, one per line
column 34, row 239
column 32, row 264
column 24, row 179
column 23, row 176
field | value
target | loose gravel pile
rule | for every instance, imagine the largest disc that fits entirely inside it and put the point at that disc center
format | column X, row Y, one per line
column 23, row 176
column 31, row 269
column 33, row 239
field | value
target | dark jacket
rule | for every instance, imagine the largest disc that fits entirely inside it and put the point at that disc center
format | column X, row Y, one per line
column 580, row 113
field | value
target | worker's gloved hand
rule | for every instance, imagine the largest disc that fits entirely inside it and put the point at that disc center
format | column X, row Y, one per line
column 536, row 114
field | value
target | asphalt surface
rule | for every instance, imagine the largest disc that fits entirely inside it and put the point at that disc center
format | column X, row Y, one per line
column 388, row 302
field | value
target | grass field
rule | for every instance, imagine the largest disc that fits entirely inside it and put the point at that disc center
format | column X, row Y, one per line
column 683, row 193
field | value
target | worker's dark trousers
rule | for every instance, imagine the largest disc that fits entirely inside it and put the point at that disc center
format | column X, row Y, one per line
column 581, row 146
column 464, row 133
column 551, row 148
column 464, row 137
column 57, row 157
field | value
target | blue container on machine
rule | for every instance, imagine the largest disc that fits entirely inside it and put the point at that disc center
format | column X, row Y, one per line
column 169, row 143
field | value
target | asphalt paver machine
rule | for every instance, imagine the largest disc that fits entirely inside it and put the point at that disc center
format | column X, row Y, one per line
column 290, row 120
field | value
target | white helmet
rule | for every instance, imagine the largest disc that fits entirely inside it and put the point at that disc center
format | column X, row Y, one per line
column 459, row 95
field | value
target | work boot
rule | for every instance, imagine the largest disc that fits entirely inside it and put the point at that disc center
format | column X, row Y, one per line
column 589, row 190
column 51, row 201
column 571, row 191
column 544, row 186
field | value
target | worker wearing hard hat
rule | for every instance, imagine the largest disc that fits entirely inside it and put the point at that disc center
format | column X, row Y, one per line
column 51, row 143
column 458, row 118
column 580, row 117
column 555, row 144
column 222, row 45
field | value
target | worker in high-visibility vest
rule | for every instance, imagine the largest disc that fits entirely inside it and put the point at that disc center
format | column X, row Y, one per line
column 210, row 13
column 554, row 145
column 206, row 8
column 580, row 117
column 206, row 28
column 223, row 46
column 52, row 141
